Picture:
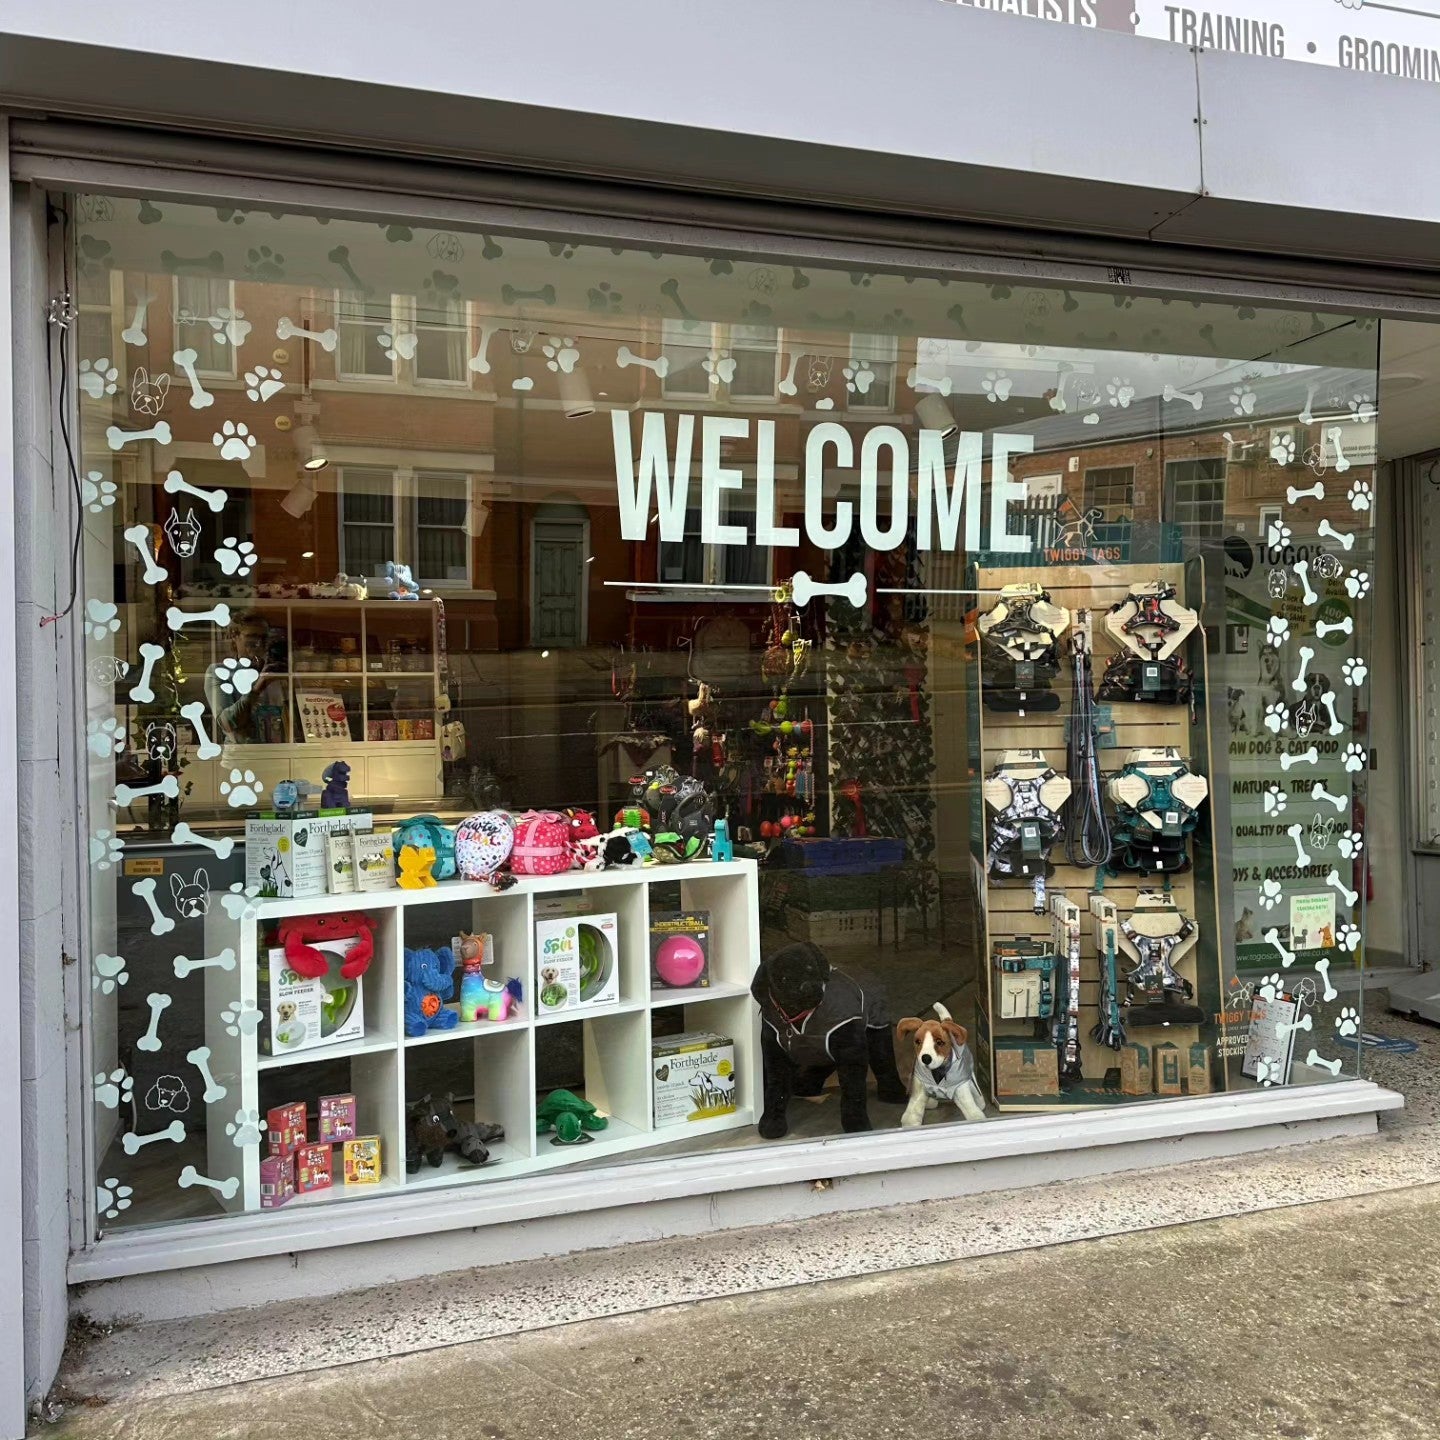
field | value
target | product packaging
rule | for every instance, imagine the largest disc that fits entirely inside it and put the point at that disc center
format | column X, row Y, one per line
column 1165, row 1066
column 1135, row 1071
column 337, row 1118
column 313, row 1169
column 277, row 1180
column 577, row 963
column 680, row 950
column 285, row 855
column 362, row 1160
column 693, row 1077
column 372, row 856
column 1026, row 1067
column 285, row 1128
column 1197, row 1074
column 303, row 1014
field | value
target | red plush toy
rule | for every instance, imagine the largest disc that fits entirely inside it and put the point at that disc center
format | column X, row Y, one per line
column 298, row 934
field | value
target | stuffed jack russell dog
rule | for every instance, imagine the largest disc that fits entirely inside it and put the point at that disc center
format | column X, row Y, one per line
column 944, row 1068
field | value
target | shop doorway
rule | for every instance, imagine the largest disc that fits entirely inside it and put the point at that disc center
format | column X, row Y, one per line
column 560, row 536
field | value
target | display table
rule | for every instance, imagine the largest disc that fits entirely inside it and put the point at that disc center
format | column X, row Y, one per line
column 617, row 1037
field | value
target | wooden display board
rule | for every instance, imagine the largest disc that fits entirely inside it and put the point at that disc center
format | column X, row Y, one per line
column 616, row 1037
column 1008, row 904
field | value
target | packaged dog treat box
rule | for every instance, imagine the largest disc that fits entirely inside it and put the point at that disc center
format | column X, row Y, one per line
column 369, row 857
column 577, row 963
column 277, row 1181
column 299, row 1013
column 285, row 1128
column 285, row 855
column 693, row 1076
column 313, row 1169
column 362, row 1160
column 337, row 1119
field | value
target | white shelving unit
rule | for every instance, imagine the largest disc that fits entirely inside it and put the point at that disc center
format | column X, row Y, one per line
column 502, row 1057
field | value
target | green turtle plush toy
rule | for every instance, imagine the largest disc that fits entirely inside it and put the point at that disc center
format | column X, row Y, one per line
column 568, row 1116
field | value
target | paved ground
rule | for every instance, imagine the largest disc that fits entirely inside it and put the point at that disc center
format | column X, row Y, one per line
column 1311, row 1321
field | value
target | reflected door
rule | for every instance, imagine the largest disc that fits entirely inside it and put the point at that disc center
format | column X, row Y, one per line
column 559, row 583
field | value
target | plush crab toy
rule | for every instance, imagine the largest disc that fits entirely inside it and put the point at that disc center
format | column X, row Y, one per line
column 298, row 935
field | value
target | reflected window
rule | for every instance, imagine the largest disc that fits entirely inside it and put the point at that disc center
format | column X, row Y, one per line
column 202, row 306
column 874, row 378
column 1195, row 498
column 361, row 322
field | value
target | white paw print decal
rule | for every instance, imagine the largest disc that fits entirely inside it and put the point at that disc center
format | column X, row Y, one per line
column 230, row 326
column 113, row 1090
column 107, row 972
column 1269, row 894
column 111, row 1197
column 1347, row 1022
column 1270, row 987
column 106, row 737
column 1362, row 408
column 719, row 365
column 1355, row 670
column 1275, row 717
column 1347, row 937
column 238, row 901
column 1279, row 533
column 858, row 376
column 1267, row 1071
column 240, row 1017
column 997, row 386
column 1282, row 448
column 560, row 354
column 97, row 493
column 236, row 557
column 106, row 848
column 98, row 378
column 401, row 345
column 262, row 383
column 1274, row 800
column 102, row 619
column 237, row 676
column 1277, row 630
column 1351, row 843
column 1357, row 584
column 1120, row 393
column 233, row 440
column 244, row 1129
column 241, row 789
column 1242, row 400
column 1360, row 494
column 1355, row 758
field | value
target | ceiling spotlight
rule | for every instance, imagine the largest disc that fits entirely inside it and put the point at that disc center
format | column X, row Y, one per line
column 310, row 448
column 575, row 395
column 300, row 497
column 934, row 414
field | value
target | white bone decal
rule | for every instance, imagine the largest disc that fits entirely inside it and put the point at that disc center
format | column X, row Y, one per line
column 660, row 365
column 787, row 386
column 1305, row 417
column 327, row 340
column 158, row 1004
column 191, row 1176
column 194, row 712
column 1319, row 792
column 126, row 795
column 1313, row 1058
column 1193, row 398
column 1302, row 857
column 1272, row 937
column 200, row 1059
column 161, row 923
column 943, row 386
column 1302, row 569
column 1306, row 757
column 175, row 483
column 1333, row 435
column 200, row 397
column 1322, row 968
column 1338, row 627
column 177, row 619
column 1316, row 491
column 1306, row 1024
column 174, row 1131
column 1334, row 881
column 1306, row 656
column 1328, row 701
column 142, row 694
column 117, row 439
column 139, row 537
column 479, row 362
column 134, row 333
column 805, row 589
column 225, row 960
column 1346, row 542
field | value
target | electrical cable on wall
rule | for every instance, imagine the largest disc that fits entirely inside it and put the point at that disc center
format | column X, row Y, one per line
column 1087, row 836
column 60, row 314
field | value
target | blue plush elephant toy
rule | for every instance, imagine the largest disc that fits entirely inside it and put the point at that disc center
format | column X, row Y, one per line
column 429, row 983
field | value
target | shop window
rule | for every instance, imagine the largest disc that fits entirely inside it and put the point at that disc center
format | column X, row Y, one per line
column 1111, row 490
column 874, row 360
column 390, row 515
column 1195, row 498
column 204, row 308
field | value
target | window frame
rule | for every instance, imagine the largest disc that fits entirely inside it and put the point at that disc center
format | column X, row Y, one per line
column 466, row 327
column 856, row 401
column 182, row 342
column 1172, row 499
column 404, row 525
column 712, row 556
column 1090, row 500
column 346, row 376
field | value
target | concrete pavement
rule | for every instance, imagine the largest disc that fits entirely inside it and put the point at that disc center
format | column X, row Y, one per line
column 1309, row 1321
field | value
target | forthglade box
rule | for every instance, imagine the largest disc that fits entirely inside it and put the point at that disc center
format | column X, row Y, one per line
column 693, row 1076
column 285, row 855
column 371, row 857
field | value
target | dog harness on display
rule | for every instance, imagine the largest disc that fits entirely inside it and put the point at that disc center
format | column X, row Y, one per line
column 1150, row 614
column 1022, row 833
column 1139, row 843
column 1156, row 682
column 1156, row 981
column 1020, row 682
column 959, row 1071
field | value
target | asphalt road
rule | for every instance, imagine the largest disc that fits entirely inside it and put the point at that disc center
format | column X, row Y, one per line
column 1313, row 1321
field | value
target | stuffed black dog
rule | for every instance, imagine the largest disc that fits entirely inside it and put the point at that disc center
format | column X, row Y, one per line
column 815, row 1019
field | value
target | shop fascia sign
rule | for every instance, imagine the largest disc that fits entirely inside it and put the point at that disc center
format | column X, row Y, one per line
column 661, row 484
